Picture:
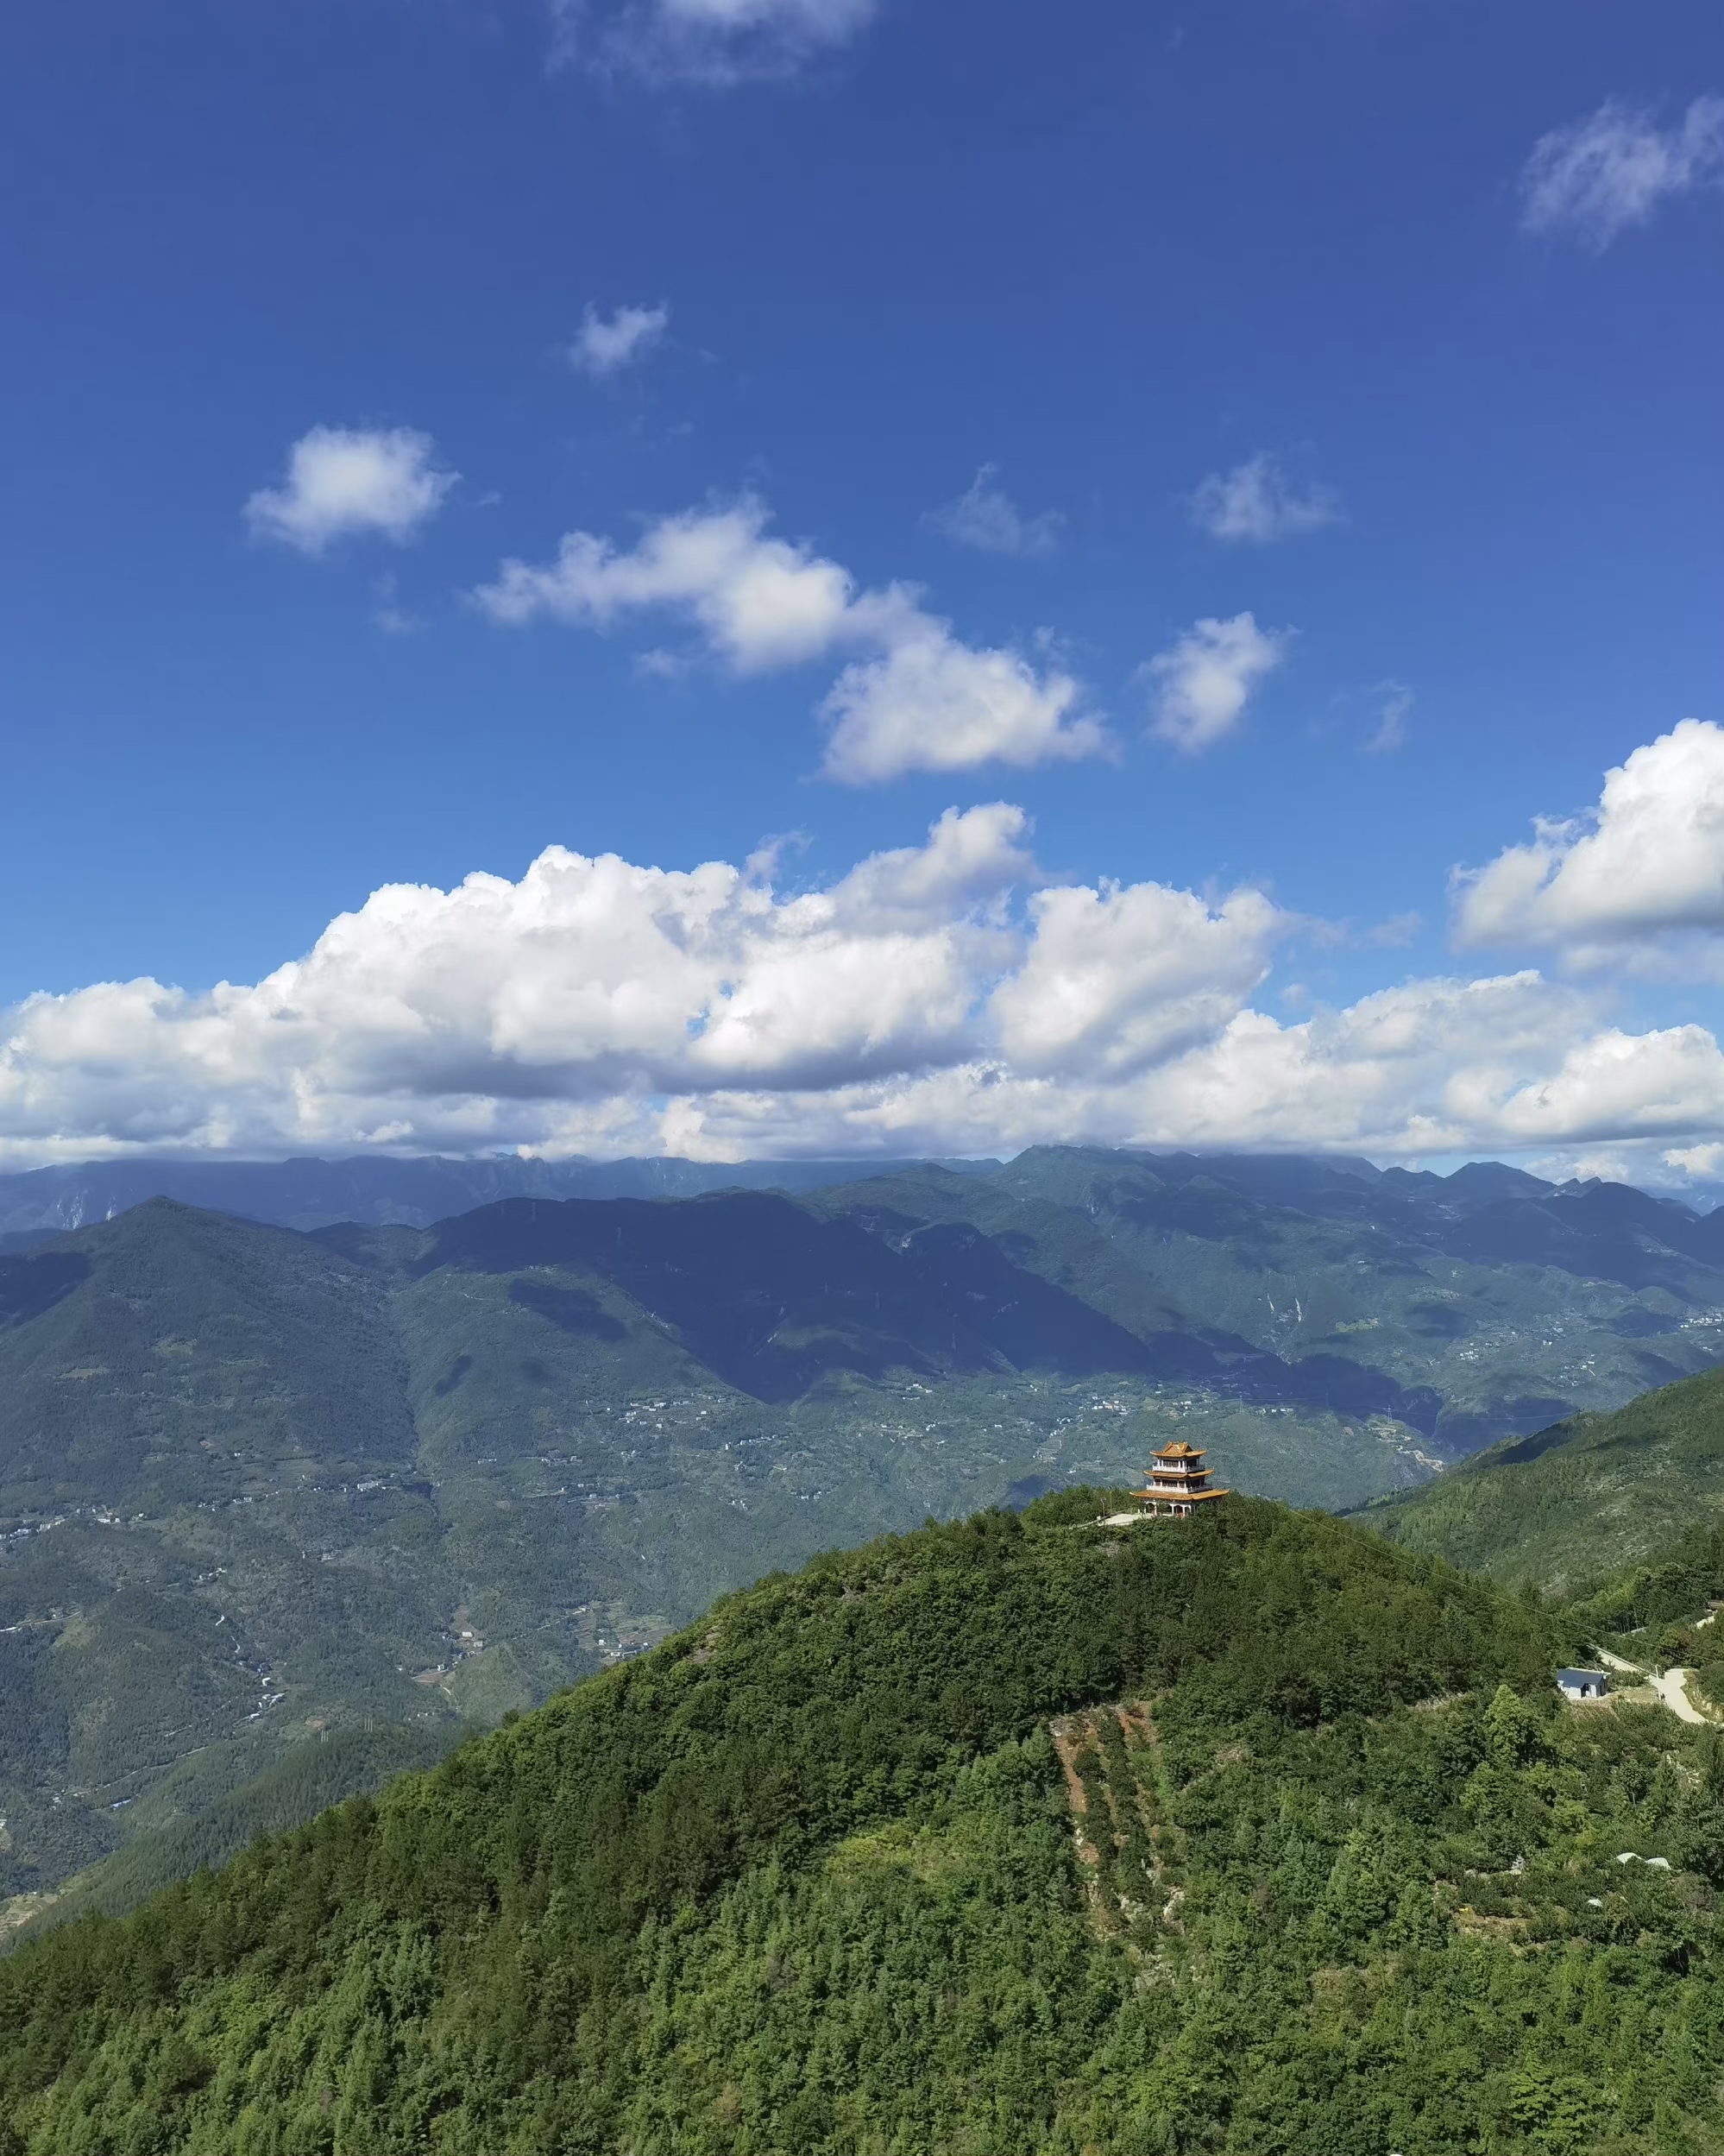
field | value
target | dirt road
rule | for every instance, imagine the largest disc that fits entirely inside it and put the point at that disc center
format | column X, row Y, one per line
column 1672, row 1687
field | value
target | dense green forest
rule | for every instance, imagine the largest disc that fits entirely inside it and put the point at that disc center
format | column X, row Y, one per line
column 1254, row 1833
column 1581, row 1500
column 1665, row 1615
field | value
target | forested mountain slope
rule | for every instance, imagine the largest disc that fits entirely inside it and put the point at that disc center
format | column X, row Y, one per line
column 259, row 1489
column 350, row 1492
column 195, row 1414
column 1582, row 1499
column 1014, row 1836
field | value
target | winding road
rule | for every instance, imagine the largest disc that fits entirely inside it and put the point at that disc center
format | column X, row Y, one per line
column 1672, row 1687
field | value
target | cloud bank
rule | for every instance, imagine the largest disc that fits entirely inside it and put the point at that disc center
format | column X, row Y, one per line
column 944, row 998
column 915, row 699
column 1593, row 180
column 343, row 480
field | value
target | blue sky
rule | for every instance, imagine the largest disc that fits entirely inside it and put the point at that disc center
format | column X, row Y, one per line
column 1381, row 336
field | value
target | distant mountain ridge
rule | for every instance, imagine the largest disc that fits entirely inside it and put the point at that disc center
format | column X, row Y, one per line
column 382, row 1189
column 414, row 1190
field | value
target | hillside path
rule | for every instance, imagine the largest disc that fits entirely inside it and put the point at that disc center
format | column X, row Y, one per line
column 1672, row 1687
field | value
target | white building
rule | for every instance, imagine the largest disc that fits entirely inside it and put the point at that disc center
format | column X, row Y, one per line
column 1582, row 1684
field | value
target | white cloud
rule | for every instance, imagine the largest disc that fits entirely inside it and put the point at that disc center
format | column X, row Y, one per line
column 1669, row 1081
column 341, row 480
column 940, row 998
column 1596, row 177
column 1201, row 685
column 1700, row 1163
column 606, row 344
column 915, row 699
column 1390, row 731
column 972, row 859
column 491, row 1012
column 1638, row 881
column 1615, row 1163
column 761, row 602
column 986, row 518
column 1117, row 979
column 932, row 703
column 1692, row 1174
column 717, row 42
column 1258, row 502
column 1432, row 1067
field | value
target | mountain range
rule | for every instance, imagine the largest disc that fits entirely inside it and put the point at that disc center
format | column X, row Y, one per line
column 380, row 1190
column 268, row 1492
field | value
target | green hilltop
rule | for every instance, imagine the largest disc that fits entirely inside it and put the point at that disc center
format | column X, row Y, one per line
column 1586, row 1497
column 282, row 1512
column 1021, row 1834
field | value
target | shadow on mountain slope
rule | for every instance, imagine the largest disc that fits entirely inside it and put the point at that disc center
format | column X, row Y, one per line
column 30, row 1286
column 774, row 1297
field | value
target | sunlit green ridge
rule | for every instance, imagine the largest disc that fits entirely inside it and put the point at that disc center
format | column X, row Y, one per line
column 1583, row 1498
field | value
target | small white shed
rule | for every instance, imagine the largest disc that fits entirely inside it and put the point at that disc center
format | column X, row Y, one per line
column 1582, row 1684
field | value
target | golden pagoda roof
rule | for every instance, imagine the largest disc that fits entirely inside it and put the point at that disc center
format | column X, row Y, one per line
column 1179, row 1450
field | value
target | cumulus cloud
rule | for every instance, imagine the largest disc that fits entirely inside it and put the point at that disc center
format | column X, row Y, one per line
column 716, row 43
column 492, row 1010
column 915, row 697
column 605, row 344
column 1201, row 686
column 1638, row 881
column 761, row 602
column 931, row 703
column 1593, row 180
column 1256, row 502
column 1117, row 979
column 1697, row 1164
column 985, row 517
column 341, row 480
column 1669, row 1080
column 945, row 996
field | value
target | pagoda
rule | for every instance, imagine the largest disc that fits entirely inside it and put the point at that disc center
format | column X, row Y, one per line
column 1178, row 1483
